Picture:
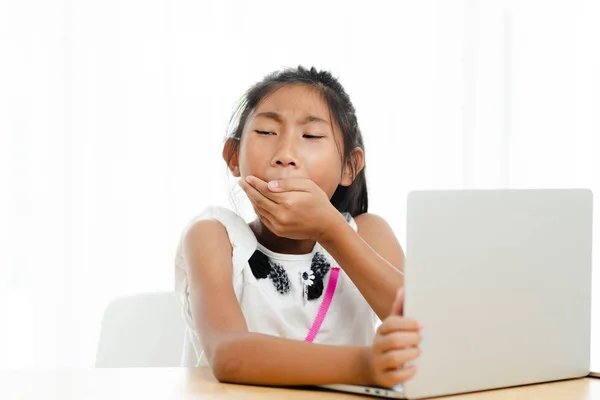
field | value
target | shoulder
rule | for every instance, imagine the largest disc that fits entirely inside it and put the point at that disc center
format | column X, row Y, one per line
column 205, row 234
column 221, row 222
column 212, row 222
column 216, row 232
column 369, row 222
column 373, row 227
column 378, row 233
column 205, row 243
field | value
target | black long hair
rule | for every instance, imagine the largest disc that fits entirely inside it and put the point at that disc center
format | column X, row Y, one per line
column 352, row 199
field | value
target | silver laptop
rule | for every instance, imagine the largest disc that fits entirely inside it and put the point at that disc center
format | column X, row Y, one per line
column 501, row 280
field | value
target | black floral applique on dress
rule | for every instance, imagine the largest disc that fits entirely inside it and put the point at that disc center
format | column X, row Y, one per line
column 262, row 268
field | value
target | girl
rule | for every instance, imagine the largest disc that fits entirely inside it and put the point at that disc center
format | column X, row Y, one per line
column 294, row 297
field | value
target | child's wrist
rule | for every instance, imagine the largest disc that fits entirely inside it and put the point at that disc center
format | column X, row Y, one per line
column 332, row 227
column 366, row 374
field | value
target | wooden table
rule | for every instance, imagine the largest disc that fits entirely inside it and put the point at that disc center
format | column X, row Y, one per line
column 181, row 383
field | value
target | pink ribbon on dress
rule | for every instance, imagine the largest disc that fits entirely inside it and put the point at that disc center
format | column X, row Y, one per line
column 314, row 329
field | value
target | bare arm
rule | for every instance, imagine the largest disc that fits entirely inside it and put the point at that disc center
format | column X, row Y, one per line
column 296, row 208
column 373, row 258
column 238, row 356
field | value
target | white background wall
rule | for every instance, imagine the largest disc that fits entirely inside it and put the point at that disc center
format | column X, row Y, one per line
column 113, row 113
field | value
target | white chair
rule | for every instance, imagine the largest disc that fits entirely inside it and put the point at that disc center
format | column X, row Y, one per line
column 145, row 330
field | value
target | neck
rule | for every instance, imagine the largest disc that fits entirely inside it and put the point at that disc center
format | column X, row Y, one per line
column 279, row 244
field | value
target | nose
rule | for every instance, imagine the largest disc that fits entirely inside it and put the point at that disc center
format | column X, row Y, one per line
column 285, row 154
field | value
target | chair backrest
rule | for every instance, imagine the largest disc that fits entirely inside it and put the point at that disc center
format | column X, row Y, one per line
column 145, row 330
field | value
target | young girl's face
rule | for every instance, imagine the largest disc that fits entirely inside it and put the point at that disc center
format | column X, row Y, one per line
column 289, row 135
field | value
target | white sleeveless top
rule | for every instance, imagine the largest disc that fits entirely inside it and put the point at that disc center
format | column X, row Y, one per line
column 349, row 321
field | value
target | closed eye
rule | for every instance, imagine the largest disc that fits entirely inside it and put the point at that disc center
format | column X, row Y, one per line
column 264, row 132
column 308, row 136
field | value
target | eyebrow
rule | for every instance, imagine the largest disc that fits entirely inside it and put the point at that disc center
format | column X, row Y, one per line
column 303, row 121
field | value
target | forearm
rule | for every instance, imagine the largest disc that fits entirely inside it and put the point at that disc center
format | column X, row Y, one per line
column 252, row 358
column 376, row 279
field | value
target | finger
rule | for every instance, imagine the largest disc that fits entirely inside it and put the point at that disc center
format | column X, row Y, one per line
column 392, row 378
column 291, row 185
column 397, row 358
column 396, row 340
column 397, row 323
column 257, row 197
column 263, row 188
column 398, row 302
column 265, row 217
column 261, row 212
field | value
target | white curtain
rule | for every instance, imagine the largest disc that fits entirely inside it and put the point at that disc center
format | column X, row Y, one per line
column 113, row 113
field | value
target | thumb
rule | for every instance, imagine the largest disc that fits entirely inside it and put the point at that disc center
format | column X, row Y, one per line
column 397, row 308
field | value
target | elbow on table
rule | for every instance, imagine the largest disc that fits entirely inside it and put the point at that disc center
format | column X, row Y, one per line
column 225, row 364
